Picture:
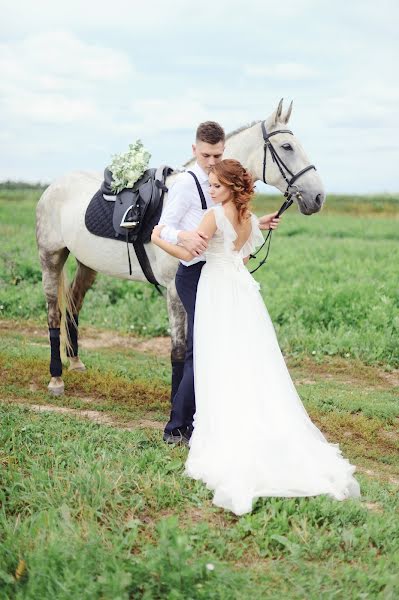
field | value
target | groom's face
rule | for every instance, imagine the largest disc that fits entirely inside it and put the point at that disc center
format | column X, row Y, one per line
column 208, row 155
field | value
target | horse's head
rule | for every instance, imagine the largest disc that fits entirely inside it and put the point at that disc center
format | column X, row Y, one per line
column 280, row 160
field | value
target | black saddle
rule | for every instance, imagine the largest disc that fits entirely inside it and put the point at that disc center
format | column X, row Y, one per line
column 130, row 215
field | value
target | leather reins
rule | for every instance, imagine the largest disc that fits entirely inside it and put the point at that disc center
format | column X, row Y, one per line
column 289, row 192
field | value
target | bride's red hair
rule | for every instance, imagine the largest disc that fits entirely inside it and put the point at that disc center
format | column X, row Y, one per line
column 233, row 175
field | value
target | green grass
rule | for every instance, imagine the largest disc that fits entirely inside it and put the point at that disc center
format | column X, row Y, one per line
column 330, row 283
column 370, row 205
column 91, row 511
column 99, row 513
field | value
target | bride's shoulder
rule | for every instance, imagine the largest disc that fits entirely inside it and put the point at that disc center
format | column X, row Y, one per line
column 216, row 212
column 215, row 208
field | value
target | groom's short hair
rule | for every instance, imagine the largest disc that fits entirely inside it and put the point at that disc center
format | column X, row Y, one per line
column 210, row 132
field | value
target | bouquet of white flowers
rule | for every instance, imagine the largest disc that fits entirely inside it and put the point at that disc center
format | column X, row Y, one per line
column 127, row 168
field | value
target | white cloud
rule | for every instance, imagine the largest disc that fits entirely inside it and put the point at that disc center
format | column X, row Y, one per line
column 179, row 112
column 133, row 16
column 52, row 108
column 62, row 54
column 56, row 77
column 365, row 102
column 291, row 70
column 343, row 112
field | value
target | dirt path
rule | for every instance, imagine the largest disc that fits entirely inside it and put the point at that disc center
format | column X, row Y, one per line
column 91, row 338
column 100, row 417
column 305, row 371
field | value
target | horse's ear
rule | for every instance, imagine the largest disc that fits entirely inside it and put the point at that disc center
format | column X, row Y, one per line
column 277, row 113
column 286, row 118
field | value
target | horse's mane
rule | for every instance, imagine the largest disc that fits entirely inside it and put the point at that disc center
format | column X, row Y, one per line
column 230, row 135
column 242, row 128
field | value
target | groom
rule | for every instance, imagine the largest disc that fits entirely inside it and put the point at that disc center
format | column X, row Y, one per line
column 188, row 199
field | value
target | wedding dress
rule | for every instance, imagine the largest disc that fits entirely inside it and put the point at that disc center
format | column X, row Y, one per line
column 252, row 435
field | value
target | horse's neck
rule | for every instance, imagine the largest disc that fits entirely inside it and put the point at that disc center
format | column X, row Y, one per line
column 241, row 146
column 247, row 145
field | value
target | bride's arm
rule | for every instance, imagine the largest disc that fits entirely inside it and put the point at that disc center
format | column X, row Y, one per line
column 206, row 227
column 173, row 249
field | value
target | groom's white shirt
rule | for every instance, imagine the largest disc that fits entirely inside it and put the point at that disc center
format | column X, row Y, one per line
column 183, row 210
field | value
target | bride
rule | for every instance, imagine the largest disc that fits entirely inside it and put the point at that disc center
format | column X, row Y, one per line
column 252, row 436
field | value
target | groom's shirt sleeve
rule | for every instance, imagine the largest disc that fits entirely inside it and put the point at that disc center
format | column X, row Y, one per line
column 180, row 198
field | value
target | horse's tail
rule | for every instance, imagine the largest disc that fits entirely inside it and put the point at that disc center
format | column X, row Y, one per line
column 67, row 310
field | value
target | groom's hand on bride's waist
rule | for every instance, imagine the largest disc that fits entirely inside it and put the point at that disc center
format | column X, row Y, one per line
column 195, row 242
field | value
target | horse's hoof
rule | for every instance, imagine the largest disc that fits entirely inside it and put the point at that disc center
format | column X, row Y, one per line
column 56, row 386
column 75, row 364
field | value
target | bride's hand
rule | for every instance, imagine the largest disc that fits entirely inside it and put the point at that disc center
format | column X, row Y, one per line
column 269, row 221
column 156, row 232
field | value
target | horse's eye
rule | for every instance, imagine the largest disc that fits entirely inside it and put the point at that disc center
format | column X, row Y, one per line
column 287, row 146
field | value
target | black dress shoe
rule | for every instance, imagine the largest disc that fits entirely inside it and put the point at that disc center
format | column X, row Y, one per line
column 176, row 437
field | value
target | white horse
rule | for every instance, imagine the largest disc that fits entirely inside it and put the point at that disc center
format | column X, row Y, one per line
column 60, row 230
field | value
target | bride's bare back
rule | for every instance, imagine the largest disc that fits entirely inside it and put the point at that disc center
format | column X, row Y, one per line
column 243, row 229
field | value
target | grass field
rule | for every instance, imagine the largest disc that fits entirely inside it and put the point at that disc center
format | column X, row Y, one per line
column 94, row 506
column 330, row 283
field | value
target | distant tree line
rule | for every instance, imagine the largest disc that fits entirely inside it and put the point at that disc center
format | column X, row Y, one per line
column 24, row 185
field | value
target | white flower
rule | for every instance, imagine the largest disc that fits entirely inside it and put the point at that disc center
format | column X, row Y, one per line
column 127, row 168
column 210, row 567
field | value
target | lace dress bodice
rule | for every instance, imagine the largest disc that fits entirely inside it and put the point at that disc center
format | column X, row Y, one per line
column 221, row 250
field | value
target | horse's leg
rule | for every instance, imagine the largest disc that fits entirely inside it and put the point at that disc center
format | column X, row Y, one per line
column 177, row 320
column 83, row 280
column 52, row 277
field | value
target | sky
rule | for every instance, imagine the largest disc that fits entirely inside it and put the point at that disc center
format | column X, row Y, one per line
column 79, row 81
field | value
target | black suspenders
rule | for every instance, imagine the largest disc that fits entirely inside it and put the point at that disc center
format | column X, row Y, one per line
column 200, row 190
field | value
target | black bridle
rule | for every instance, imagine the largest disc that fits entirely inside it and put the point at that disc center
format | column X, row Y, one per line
column 292, row 189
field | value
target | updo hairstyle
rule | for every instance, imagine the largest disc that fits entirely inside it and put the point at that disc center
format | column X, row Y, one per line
column 233, row 175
